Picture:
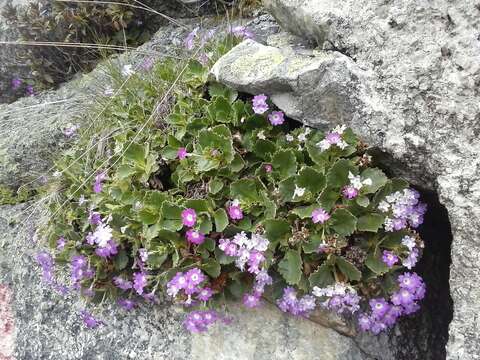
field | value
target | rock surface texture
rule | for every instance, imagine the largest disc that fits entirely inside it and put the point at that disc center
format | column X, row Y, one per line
column 406, row 77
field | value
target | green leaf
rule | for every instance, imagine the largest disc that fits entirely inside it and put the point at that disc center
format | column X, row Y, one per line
column 216, row 89
column 291, row 267
column 245, row 190
column 199, row 205
column 375, row 263
column 343, row 222
column 125, row 171
column 362, row 201
column 318, row 157
column 215, row 186
column 337, row 176
column 370, row 222
column 277, row 230
column 285, row 163
column 322, row 277
column 220, row 110
column 208, row 245
column 328, row 198
column 311, row 179
column 222, row 258
column 378, row 178
column 136, row 153
column 121, row 260
column 304, row 212
column 211, row 267
column 287, row 188
column 348, row 269
column 237, row 164
column 312, row 245
column 221, row 220
column 264, row 149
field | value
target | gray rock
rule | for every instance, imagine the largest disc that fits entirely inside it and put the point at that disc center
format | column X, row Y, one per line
column 48, row 326
column 415, row 74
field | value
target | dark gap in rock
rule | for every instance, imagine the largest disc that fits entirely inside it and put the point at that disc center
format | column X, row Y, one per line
column 428, row 330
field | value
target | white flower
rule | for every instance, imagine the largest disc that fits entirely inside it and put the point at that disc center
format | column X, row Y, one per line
column 324, row 145
column 127, row 70
column 289, row 138
column 357, row 182
column 384, row 206
column 81, row 200
column 102, row 235
column 241, row 239
column 261, row 135
column 409, row 242
column 57, row 174
column 302, row 137
column 298, row 191
column 260, row 243
column 307, row 130
column 340, row 129
column 236, row 202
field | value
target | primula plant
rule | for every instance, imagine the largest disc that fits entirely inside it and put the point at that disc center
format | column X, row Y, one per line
column 223, row 197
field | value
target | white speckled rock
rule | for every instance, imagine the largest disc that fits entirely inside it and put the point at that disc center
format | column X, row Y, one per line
column 414, row 67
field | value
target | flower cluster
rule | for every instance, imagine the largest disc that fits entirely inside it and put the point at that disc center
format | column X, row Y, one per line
column 199, row 321
column 191, row 285
column 384, row 314
column 403, row 209
column 247, row 250
column 290, row 303
column 334, row 138
column 45, row 260
column 413, row 252
column 352, row 190
column 340, row 298
column 80, row 269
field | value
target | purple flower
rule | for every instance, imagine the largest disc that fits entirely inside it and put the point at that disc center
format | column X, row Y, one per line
column 228, row 247
column 121, row 283
column 205, row 294
column 177, row 283
column 29, row 90
column 70, row 131
column 262, row 278
column 410, row 281
column 99, row 178
column 260, row 105
column 242, row 32
column 127, row 304
column 147, row 64
column 268, row 168
column 182, row 153
column 235, row 212
column 389, row 258
column 320, row 216
column 89, row 321
column 94, row 218
column 403, row 297
column 254, row 260
column 349, row 192
column 139, row 282
column 45, row 260
column 364, row 322
column 333, row 138
column 411, row 259
column 251, row 300
column 276, row 118
column 189, row 217
column 195, row 237
column 16, row 82
column 61, row 242
column 198, row 321
column 195, row 276
column 379, row 307
column 189, row 40
column 109, row 250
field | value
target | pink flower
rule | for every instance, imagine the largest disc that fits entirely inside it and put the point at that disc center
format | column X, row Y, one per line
column 205, row 294
column 260, row 104
column 189, row 217
column 195, row 237
column 268, row 168
column 182, row 153
column 251, row 301
column 235, row 212
column 276, row 118
column 320, row 216
column 349, row 192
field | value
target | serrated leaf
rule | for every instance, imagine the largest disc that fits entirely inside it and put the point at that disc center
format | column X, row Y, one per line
column 221, row 220
column 121, row 260
column 287, row 188
column 328, row 198
column 348, row 269
column 211, row 267
column 311, row 179
column 125, row 171
column 375, row 263
column 337, row 176
column 304, row 212
column 215, row 186
column 343, row 222
column 322, row 277
column 264, row 149
column 312, row 245
column 136, row 153
column 277, row 230
column 362, row 201
column 245, row 190
column 285, row 163
column 377, row 177
column 290, row 267
column 370, row 222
